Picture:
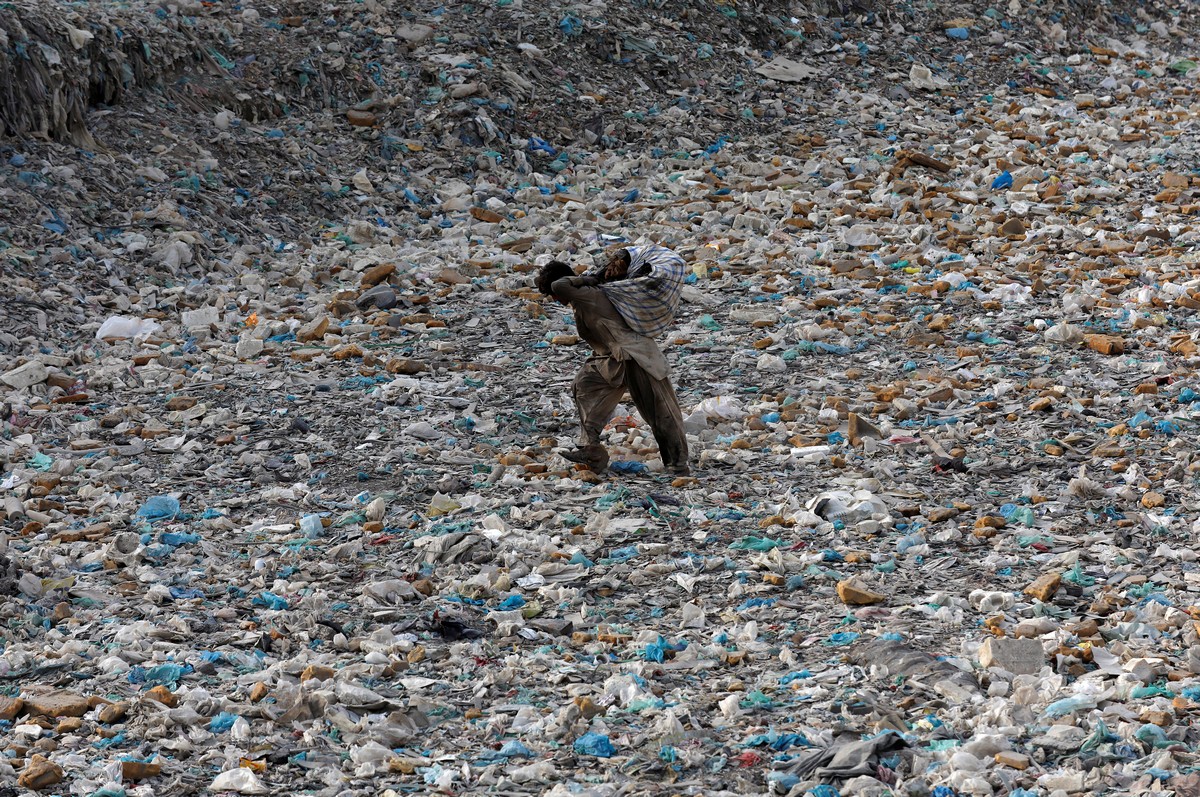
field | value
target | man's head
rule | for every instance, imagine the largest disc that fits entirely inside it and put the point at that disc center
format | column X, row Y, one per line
column 552, row 271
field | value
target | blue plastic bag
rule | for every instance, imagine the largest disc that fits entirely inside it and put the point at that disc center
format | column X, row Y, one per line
column 160, row 507
column 510, row 603
column 271, row 601
column 160, row 675
column 222, row 722
column 596, row 744
column 514, row 749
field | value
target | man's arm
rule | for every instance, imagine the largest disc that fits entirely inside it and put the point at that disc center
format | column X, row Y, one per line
column 567, row 289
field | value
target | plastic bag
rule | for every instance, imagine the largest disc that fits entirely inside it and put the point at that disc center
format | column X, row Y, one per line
column 119, row 327
column 595, row 744
column 239, row 780
column 1063, row 332
column 160, row 507
column 724, row 408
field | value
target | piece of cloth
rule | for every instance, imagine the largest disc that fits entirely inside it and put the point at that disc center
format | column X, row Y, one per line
column 622, row 360
column 648, row 297
column 849, row 756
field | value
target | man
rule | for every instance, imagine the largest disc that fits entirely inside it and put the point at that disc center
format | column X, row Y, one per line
column 621, row 360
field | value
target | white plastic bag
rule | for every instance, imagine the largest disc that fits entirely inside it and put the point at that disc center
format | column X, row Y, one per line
column 724, row 408
column 120, row 326
column 240, row 780
column 1063, row 332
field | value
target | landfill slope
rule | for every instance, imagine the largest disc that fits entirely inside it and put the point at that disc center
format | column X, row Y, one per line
column 282, row 507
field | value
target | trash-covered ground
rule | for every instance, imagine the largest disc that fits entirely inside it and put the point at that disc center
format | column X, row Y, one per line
column 282, row 508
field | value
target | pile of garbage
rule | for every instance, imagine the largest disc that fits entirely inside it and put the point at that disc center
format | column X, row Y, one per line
column 280, row 409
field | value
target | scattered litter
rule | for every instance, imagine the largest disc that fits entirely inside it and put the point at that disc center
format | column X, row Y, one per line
column 284, row 507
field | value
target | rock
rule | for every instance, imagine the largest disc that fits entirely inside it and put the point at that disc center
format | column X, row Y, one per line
column 140, row 770
column 1105, row 344
column 1162, row 719
column 25, row 376
column 449, row 276
column 66, row 382
column 940, row 513
column 588, row 707
column 1042, row 404
column 519, row 245
column 40, row 773
column 57, row 704
column 361, row 118
column 404, row 365
column 382, row 297
column 1174, row 180
column 11, row 708
column 162, row 694
column 68, row 725
column 176, row 403
column 1018, row 656
column 200, row 318
column 1012, row 759
column 486, row 216
column 377, row 274
column 347, row 352
column 861, row 428
column 313, row 330
column 940, row 322
column 1013, row 227
column 852, row 594
column 248, row 347
column 1045, row 586
column 258, row 692
column 317, row 672
column 1153, row 500
column 113, row 712
column 414, row 34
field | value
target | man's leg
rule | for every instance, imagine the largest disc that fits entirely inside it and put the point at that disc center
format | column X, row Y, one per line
column 658, row 405
column 597, row 390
